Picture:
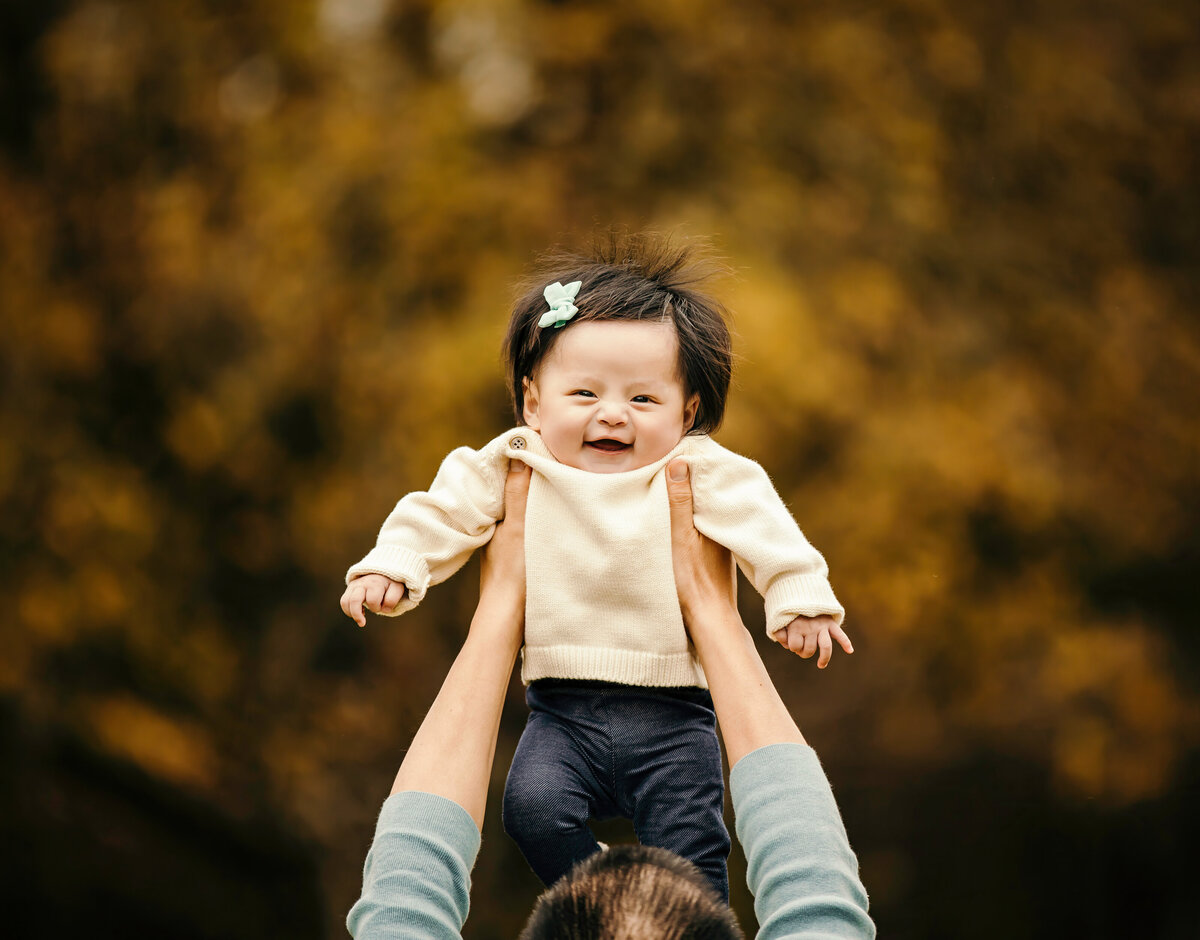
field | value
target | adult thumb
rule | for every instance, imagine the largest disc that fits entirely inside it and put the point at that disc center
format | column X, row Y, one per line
column 679, row 492
column 516, row 489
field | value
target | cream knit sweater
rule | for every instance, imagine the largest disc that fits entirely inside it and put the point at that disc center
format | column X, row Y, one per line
column 600, row 593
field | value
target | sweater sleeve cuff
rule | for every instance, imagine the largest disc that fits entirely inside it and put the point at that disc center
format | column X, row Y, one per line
column 417, row 876
column 786, row 760
column 399, row 564
column 440, row 817
column 801, row 595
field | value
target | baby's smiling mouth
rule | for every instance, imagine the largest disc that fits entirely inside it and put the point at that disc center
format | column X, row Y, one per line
column 608, row 445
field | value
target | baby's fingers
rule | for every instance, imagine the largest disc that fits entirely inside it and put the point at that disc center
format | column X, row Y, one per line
column 392, row 596
column 373, row 594
column 791, row 637
column 825, row 644
column 352, row 601
column 840, row 635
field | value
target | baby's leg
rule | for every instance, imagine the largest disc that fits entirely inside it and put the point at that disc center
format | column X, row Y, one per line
column 672, row 772
column 552, row 789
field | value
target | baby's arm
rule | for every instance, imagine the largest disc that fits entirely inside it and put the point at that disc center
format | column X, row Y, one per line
column 736, row 505
column 430, row 535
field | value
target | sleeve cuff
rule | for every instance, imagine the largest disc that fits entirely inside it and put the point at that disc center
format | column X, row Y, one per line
column 802, row 595
column 417, row 876
column 440, row 817
column 399, row 564
column 787, row 759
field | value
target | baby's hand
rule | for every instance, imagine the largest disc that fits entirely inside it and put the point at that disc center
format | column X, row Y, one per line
column 376, row 593
column 804, row 636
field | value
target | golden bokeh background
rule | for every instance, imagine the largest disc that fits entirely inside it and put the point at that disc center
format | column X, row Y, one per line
column 255, row 263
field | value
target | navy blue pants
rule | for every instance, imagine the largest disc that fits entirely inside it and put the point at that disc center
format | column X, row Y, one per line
column 597, row 750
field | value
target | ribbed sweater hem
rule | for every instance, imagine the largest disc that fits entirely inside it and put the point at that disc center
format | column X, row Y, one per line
column 628, row 667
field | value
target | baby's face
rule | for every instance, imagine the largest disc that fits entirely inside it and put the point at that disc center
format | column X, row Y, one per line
column 608, row 397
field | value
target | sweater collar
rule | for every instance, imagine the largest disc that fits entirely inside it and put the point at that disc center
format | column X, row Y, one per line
column 525, row 444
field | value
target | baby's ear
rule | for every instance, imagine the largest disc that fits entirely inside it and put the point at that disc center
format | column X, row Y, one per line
column 529, row 395
column 691, row 406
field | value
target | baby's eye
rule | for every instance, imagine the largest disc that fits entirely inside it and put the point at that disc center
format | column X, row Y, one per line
column 642, row 399
column 584, row 392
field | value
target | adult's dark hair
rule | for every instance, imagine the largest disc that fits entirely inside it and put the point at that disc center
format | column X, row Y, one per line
column 632, row 277
column 632, row 892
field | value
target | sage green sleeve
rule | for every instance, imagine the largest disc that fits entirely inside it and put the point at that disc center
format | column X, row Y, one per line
column 801, row 869
column 417, row 877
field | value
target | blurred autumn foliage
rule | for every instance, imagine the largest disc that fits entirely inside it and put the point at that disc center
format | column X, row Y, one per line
column 255, row 261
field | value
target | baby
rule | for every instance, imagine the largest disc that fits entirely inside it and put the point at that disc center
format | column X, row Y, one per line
column 618, row 366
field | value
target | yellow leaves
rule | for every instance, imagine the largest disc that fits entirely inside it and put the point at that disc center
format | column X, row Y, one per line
column 837, row 210
column 46, row 610
column 97, row 506
column 1130, row 319
column 346, row 517
column 907, row 583
column 954, row 58
column 1094, row 697
column 199, row 657
column 1118, row 721
column 1081, row 751
column 574, row 33
column 68, row 340
column 868, row 300
column 1082, row 662
column 780, row 339
column 251, row 91
column 852, row 49
column 764, row 209
column 103, row 591
column 173, row 233
column 1067, row 74
column 93, row 52
column 487, row 47
column 1129, row 358
column 197, row 434
column 177, row 750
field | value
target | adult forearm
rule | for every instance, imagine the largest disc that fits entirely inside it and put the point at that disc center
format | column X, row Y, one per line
column 452, row 752
column 749, row 710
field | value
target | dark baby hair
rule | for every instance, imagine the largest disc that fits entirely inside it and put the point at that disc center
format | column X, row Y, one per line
column 632, row 891
column 632, row 277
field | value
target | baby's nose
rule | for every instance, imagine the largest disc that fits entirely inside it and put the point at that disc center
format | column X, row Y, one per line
column 612, row 412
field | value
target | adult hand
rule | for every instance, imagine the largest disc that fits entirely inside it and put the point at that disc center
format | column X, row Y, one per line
column 749, row 710
column 703, row 569
column 502, row 573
